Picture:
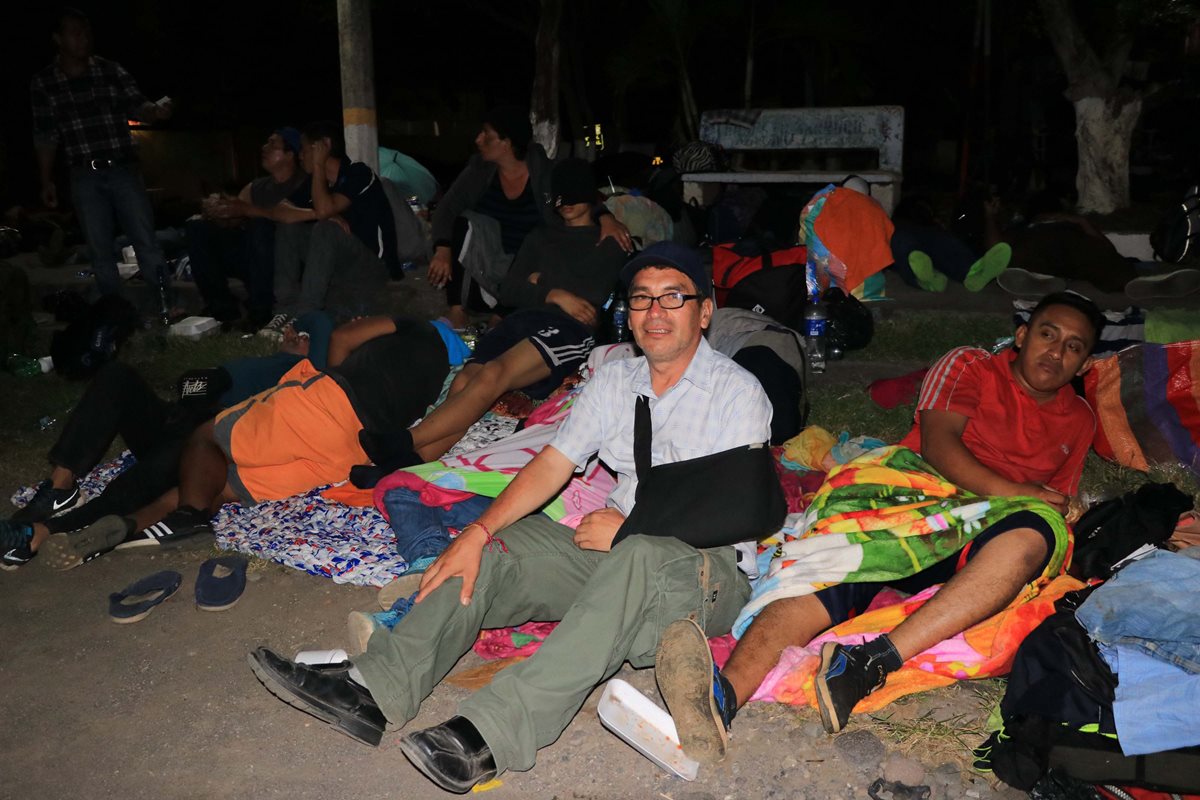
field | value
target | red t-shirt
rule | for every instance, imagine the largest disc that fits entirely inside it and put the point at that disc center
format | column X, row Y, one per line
column 1007, row 430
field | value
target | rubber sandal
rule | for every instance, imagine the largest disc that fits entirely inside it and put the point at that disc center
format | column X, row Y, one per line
column 220, row 583
column 138, row 599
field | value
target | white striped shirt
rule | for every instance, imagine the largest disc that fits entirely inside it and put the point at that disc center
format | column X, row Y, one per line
column 715, row 406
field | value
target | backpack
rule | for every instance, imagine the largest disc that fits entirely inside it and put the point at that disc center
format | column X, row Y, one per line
column 1110, row 531
column 698, row 157
column 1176, row 238
column 750, row 274
column 1057, row 712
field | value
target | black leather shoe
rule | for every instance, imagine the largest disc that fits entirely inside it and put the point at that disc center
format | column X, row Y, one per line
column 329, row 695
column 453, row 755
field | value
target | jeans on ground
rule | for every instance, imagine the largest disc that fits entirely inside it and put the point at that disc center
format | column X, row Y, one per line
column 320, row 266
column 613, row 606
column 421, row 530
column 117, row 194
column 118, row 402
column 220, row 252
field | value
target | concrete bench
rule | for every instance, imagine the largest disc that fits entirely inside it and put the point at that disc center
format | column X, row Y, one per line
column 877, row 128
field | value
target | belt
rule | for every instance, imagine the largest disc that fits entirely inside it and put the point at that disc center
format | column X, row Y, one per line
column 97, row 164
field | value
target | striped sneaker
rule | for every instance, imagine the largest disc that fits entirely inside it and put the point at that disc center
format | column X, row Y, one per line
column 182, row 523
column 68, row 550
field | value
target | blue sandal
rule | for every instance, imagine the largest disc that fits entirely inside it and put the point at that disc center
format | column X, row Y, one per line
column 138, row 599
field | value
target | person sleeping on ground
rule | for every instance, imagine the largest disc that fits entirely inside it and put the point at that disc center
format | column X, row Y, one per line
column 972, row 499
column 309, row 429
column 558, row 282
column 120, row 403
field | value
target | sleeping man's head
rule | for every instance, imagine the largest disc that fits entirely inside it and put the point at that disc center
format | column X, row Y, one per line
column 1057, row 343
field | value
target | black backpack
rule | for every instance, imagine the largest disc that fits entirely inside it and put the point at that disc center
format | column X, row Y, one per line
column 1057, row 713
column 1177, row 237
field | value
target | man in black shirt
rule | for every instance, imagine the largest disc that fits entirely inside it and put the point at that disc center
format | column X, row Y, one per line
column 235, row 236
column 340, row 263
column 560, row 278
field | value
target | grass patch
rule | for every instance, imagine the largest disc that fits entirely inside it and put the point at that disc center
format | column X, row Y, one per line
column 925, row 336
column 160, row 359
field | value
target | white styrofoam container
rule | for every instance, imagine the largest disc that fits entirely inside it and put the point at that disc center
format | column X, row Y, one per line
column 645, row 727
column 196, row 327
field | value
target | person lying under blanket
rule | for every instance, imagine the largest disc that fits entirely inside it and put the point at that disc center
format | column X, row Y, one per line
column 119, row 402
column 309, row 429
column 1009, row 435
column 685, row 430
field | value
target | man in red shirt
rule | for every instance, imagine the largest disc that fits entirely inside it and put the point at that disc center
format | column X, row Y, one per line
column 1007, row 425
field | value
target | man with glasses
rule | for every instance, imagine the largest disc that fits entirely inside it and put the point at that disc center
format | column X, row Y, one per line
column 83, row 102
column 613, row 586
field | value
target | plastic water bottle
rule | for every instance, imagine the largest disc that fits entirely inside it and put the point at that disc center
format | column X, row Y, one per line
column 620, row 320
column 23, row 366
column 815, row 323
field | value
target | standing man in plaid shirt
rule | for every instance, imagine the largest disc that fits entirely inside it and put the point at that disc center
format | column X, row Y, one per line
column 83, row 102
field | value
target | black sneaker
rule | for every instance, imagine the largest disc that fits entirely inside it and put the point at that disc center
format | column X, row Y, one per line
column 14, row 544
column 846, row 676
column 48, row 502
column 182, row 523
column 697, row 695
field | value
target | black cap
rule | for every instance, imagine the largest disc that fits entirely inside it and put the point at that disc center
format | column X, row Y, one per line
column 675, row 256
column 572, row 182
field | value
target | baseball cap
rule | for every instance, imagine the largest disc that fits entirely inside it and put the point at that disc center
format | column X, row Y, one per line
column 669, row 254
column 291, row 138
column 572, row 182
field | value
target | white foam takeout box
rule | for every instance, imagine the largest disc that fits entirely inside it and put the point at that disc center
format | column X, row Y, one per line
column 645, row 727
column 196, row 327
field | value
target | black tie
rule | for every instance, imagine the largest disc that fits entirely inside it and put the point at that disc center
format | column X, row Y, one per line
column 642, row 437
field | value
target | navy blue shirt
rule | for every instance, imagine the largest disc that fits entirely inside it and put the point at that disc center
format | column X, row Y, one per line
column 369, row 214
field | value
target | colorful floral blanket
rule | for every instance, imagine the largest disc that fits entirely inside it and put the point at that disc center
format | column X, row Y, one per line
column 884, row 516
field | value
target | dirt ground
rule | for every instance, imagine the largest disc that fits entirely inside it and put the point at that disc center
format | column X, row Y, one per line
column 168, row 707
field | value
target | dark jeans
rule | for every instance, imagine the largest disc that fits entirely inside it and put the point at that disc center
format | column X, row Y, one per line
column 421, row 530
column 220, row 252
column 119, row 402
column 949, row 254
column 320, row 266
column 102, row 198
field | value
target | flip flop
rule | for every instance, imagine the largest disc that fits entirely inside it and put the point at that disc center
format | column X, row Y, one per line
column 138, row 599
column 220, row 583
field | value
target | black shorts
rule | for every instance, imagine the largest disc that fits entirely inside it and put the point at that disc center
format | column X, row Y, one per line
column 562, row 341
column 847, row 600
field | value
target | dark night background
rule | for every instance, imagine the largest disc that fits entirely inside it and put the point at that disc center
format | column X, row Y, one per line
column 237, row 68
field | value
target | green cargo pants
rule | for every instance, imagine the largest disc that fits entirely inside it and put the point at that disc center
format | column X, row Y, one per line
column 613, row 606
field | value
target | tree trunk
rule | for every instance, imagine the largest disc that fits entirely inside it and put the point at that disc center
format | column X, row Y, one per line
column 544, row 105
column 1105, row 114
column 1104, row 133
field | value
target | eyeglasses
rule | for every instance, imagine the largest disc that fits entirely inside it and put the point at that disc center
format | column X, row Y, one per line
column 667, row 302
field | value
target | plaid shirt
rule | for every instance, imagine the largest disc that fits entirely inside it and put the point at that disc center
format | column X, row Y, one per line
column 88, row 114
column 715, row 406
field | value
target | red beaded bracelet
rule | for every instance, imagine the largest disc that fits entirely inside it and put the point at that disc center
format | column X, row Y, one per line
column 490, row 538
